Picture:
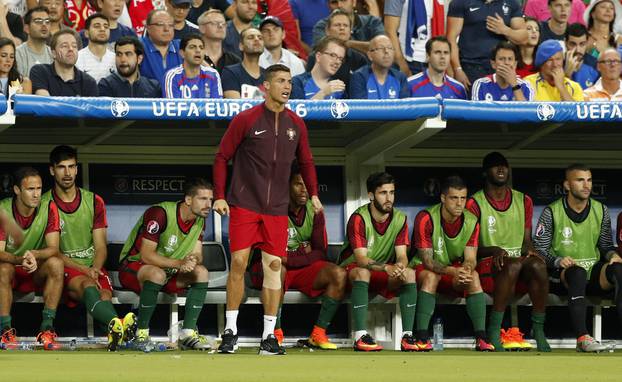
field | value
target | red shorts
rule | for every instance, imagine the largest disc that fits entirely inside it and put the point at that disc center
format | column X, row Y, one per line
column 248, row 229
column 128, row 272
column 487, row 279
column 300, row 279
column 378, row 282
column 23, row 282
column 445, row 285
column 70, row 273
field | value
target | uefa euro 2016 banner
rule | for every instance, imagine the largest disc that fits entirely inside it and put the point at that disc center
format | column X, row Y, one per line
column 353, row 110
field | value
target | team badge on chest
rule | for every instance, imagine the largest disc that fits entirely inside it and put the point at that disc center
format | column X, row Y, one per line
column 291, row 134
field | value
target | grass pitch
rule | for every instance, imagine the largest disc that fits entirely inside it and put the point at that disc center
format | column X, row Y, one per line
column 303, row 365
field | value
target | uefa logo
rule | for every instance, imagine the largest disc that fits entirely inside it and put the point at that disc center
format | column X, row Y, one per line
column 339, row 109
column 119, row 108
column 545, row 112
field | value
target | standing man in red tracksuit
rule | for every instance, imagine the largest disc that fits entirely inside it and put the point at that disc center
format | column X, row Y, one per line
column 263, row 142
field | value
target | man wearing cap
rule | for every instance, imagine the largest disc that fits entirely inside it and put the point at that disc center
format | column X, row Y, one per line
column 179, row 9
column 273, row 35
column 609, row 86
column 551, row 83
column 507, row 259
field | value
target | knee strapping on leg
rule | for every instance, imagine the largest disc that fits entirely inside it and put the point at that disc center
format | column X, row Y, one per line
column 271, row 271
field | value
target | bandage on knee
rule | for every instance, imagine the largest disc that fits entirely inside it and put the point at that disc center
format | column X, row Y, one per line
column 271, row 277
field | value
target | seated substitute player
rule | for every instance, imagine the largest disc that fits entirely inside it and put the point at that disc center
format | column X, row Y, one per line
column 574, row 238
column 83, row 245
column 445, row 240
column 305, row 266
column 33, row 264
column 507, row 259
column 375, row 256
column 191, row 79
column 164, row 251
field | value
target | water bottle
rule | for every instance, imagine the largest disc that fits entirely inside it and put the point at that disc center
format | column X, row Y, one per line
column 438, row 335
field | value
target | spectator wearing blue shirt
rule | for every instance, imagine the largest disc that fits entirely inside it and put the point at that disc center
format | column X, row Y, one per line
column 112, row 9
column 434, row 81
column 379, row 80
column 127, row 81
column 245, row 80
column 179, row 9
column 504, row 84
column 575, row 67
column 191, row 79
column 307, row 13
column 320, row 82
column 161, row 51
column 245, row 12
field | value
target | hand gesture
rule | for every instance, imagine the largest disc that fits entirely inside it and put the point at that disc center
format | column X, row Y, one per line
column 558, row 77
column 461, row 76
column 94, row 273
column 221, row 207
column 29, row 262
column 498, row 259
column 495, row 24
column 566, row 262
column 395, row 270
column 465, row 275
column 572, row 63
column 507, row 73
column 333, row 87
column 188, row 264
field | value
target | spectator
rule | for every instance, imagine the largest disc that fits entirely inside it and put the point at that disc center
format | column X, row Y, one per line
column 364, row 27
column 198, row 7
column 161, row 51
column 11, row 26
column 307, row 14
column 504, row 84
column 604, row 24
column 608, row 87
column 96, row 60
column 338, row 26
column 56, row 9
column 138, row 10
column 379, row 80
column 34, row 50
column 212, row 25
column 191, row 79
column 20, row 7
column 179, row 9
column 62, row 78
column 550, row 83
column 480, row 26
column 245, row 11
column 245, row 80
column 272, row 32
column 539, row 11
column 410, row 26
column 320, row 82
column 555, row 27
column 575, row 67
column 434, row 82
column 112, row 9
column 528, row 49
column 127, row 81
column 77, row 12
column 10, row 79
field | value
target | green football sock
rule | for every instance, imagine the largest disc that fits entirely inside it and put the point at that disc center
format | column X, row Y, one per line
column 537, row 325
column 195, row 298
column 476, row 309
column 426, row 302
column 327, row 312
column 277, row 325
column 494, row 329
column 408, row 304
column 5, row 322
column 360, row 300
column 48, row 316
column 147, row 303
column 102, row 311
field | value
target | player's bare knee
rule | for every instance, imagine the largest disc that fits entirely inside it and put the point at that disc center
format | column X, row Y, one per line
column 410, row 276
column 54, row 267
column 201, row 274
column 87, row 282
column 153, row 274
column 338, row 275
column 7, row 271
column 238, row 265
column 360, row 274
column 512, row 268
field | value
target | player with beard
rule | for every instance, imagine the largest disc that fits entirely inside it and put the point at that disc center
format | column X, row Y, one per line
column 445, row 254
column 375, row 256
column 574, row 238
column 263, row 142
column 191, row 79
column 127, row 81
column 507, row 259
column 83, row 245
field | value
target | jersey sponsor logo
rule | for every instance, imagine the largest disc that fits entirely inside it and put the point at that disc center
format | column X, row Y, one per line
column 540, row 230
column 567, row 235
column 339, row 109
column 260, row 132
column 119, row 108
column 492, row 222
column 153, row 227
column 88, row 253
column 585, row 264
column 545, row 112
column 291, row 134
column 370, row 243
column 172, row 244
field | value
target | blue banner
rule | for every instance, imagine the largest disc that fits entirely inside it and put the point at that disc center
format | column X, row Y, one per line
column 201, row 109
column 4, row 106
column 538, row 112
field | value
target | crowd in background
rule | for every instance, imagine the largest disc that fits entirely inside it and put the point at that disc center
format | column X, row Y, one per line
column 489, row 50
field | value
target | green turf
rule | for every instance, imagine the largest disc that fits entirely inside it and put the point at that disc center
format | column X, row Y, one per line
column 302, row 365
